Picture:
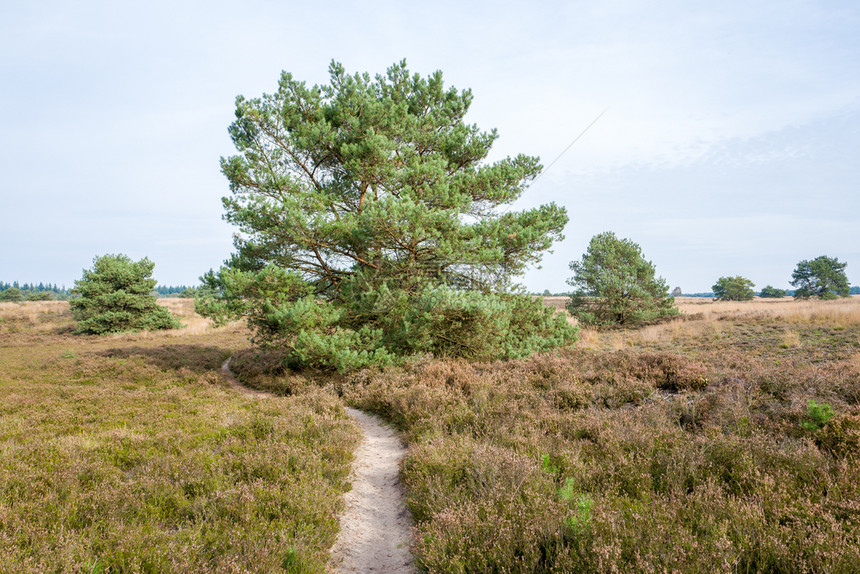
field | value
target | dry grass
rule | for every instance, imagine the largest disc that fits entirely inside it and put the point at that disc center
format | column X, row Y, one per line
column 129, row 453
column 842, row 312
column 35, row 316
column 192, row 323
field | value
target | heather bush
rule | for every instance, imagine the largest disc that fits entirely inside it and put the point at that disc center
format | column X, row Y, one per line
column 682, row 454
column 130, row 454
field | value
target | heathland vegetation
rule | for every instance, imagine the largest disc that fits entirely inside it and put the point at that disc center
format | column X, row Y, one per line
column 130, row 453
column 724, row 439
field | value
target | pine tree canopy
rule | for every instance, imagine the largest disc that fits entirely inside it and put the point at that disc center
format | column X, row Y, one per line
column 359, row 199
column 823, row 277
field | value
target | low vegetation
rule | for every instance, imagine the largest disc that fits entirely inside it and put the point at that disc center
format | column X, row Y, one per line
column 725, row 440
column 128, row 453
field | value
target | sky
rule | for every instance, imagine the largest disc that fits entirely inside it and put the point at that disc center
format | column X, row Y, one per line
column 730, row 142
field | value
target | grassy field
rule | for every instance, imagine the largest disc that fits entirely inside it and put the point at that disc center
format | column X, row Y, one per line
column 727, row 440
column 129, row 453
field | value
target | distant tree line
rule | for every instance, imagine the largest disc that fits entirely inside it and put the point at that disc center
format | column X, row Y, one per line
column 16, row 291
column 822, row 278
column 172, row 290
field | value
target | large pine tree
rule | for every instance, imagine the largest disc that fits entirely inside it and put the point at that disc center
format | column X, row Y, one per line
column 370, row 225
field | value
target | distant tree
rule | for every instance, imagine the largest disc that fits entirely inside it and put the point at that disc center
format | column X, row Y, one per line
column 547, row 293
column 39, row 296
column 770, row 292
column 116, row 296
column 11, row 294
column 854, row 290
column 614, row 284
column 676, row 292
column 733, row 289
column 823, row 277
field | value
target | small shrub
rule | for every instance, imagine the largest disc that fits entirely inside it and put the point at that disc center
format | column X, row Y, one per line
column 11, row 295
column 116, row 296
column 818, row 415
column 39, row 296
column 770, row 292
column 840, row 436
column 580, row 503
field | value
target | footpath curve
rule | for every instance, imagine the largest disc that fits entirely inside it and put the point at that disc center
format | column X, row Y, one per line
column 375, row 527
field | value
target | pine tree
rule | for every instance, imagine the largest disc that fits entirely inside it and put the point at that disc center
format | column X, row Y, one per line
column 116, row 296
column 371, row 226
column 823, row 277
column 733, row 289
column 615, row 284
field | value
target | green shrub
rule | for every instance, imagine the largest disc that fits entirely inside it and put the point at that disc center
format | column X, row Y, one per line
column 817, row 415
column 770, row 292
column 381, row 326
column 39, row 296
column 116, row 296
column 11, row 295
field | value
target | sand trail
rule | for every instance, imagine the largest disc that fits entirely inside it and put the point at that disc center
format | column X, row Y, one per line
column 375, row 527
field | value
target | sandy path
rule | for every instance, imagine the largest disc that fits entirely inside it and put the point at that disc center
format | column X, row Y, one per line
column 237, row 386
column 375, row 527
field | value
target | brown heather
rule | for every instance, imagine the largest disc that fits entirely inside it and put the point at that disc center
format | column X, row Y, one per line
column 678, row 447
column 130, row 453
column 675, row 448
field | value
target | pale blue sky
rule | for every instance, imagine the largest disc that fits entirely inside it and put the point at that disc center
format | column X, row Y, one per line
column 731, row 144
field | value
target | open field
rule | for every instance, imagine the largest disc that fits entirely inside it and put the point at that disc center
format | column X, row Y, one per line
column 130, row 453
column 688, row 446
